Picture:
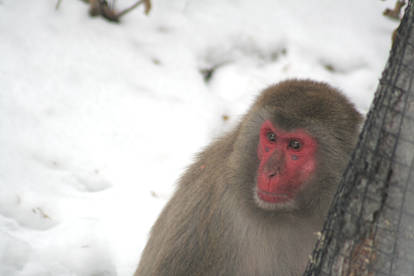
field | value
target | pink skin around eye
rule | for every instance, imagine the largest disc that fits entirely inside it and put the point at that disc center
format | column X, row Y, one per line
column 282, row 169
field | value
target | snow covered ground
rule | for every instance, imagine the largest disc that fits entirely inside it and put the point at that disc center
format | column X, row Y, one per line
column 98, row 120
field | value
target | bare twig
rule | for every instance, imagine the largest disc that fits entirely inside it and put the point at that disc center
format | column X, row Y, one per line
column 58, row 4
column 395, row 13
column 147, row 4
column 101, row 7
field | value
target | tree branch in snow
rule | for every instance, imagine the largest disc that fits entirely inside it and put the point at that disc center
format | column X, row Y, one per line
column 107, row 11
column 147, row 4
column 58, row 4
column 101, row 7
column 396, row 12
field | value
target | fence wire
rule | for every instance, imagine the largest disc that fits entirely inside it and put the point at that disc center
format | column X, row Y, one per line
column 370, row 226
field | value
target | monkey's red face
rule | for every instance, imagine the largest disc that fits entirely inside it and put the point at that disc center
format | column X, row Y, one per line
column 287, row 161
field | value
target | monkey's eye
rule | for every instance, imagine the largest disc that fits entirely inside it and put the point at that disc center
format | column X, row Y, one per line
column 271, row 136
column 295, row 144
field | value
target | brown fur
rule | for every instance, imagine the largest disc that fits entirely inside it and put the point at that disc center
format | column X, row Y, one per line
column 212, row 225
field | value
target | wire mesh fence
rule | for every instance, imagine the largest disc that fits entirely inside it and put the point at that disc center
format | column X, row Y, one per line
column 370, row 226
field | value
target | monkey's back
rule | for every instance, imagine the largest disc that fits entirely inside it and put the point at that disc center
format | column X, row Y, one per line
column 187, row 238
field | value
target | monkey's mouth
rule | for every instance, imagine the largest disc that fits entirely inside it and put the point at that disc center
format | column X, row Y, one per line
column 273, row 197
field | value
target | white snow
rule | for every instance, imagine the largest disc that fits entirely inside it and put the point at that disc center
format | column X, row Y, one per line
column 98, row 120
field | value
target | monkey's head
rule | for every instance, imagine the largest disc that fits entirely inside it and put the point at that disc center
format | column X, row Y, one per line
column 294, row 144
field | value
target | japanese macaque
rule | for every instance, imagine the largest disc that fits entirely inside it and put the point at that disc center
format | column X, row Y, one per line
column 254, row 200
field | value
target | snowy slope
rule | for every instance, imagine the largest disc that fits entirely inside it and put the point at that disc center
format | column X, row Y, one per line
column 98, row 120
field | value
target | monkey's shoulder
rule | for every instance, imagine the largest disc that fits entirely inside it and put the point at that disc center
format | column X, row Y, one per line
column 211, row 163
